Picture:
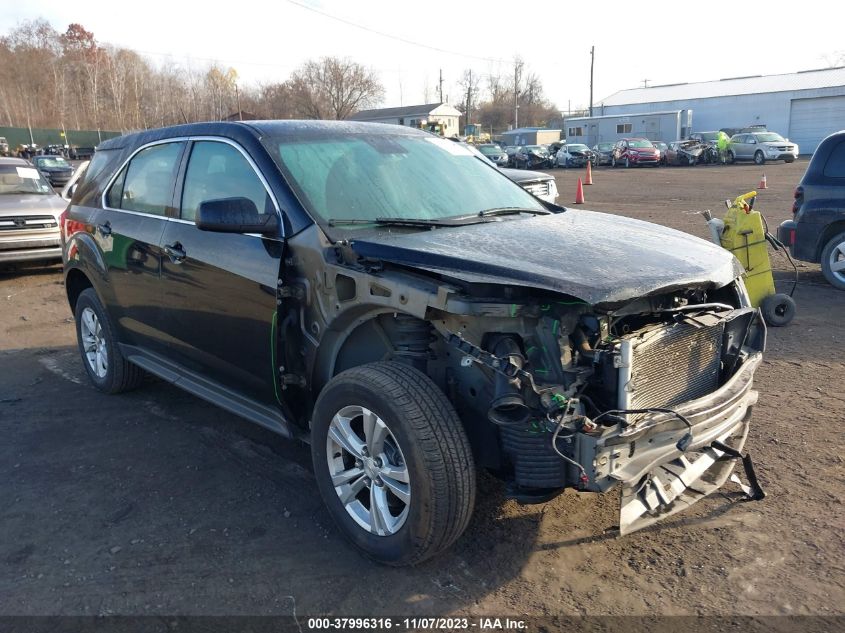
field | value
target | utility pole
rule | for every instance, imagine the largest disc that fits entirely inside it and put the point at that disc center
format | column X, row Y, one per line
column 238, row 97
column 441, row 85
column 469, row 101
column 516, row 69
column 592, row 65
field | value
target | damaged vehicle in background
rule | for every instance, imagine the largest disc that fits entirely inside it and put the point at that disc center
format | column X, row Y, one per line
column 532, row 157
column 572, row 155
column 536, row 183
column 412, row 333
column 687, row 153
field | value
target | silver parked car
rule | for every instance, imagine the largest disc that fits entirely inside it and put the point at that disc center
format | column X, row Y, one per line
column 29, row 214
column 760, row 147
column 495, row 153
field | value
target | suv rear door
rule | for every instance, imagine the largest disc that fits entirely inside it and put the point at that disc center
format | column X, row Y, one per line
column 128, row 231
column 742, row 147
column 219, row 289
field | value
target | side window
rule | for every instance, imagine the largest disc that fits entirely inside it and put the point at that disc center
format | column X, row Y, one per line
column 835, row 165
column 146, row 183
column 216, row 171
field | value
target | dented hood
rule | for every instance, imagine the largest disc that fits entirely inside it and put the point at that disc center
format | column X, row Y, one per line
column 596, row 257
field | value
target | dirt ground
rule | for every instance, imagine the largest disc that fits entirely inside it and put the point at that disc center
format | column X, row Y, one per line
column 155, row 502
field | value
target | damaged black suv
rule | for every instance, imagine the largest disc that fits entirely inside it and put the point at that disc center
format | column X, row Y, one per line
column 399, row 304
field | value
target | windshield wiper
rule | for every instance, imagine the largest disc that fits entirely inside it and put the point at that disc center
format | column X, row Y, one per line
column 489, row 213
column 454, row 220
column 396, row 221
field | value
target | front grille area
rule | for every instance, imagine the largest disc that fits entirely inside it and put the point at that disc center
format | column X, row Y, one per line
column 671, row 365
column 28, row 222
column 537, row 188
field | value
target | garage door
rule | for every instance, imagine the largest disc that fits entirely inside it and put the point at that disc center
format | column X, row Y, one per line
column 810, row 120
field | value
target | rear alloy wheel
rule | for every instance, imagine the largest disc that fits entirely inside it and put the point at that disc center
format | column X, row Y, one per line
column 833, row 261
column 392, row 462
column 106, row 367
column 759, row 158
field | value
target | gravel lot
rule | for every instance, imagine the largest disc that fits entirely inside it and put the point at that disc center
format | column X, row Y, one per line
column 157, row 503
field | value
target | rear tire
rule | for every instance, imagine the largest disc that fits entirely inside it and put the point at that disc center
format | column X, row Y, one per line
column 833, row 255
column 424, row 439
column 106, row 367
column 778, row 309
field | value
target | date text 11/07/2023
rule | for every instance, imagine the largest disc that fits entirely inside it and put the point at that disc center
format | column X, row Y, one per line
column 417, row 624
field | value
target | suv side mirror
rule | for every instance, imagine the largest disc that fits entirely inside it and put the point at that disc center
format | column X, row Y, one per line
column 235, row 215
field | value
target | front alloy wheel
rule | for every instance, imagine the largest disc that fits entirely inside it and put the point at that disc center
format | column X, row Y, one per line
column 392, row 462
column 759, row 159
column 368, row 470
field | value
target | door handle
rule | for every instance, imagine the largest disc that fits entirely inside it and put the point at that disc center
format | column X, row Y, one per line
column 104, row 229
column 175, row 252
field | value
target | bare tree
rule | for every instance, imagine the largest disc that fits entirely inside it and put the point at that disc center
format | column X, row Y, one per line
column 333, row 88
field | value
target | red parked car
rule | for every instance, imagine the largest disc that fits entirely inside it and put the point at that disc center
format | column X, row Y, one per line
column 635, row 151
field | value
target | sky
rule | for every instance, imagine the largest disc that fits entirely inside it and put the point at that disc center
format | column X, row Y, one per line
column 658, row 41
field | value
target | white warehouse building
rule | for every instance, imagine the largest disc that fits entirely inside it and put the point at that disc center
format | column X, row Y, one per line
column 804, row 106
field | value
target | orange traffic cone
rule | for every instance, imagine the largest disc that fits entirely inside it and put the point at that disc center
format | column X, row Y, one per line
column 763, row 184
column 579, row 193
column 589, row 179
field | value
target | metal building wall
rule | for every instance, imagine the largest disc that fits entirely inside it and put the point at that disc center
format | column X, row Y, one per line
column 772, row 109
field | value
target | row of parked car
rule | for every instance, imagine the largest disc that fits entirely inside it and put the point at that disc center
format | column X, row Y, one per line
column 701, row 147
column 30, row 150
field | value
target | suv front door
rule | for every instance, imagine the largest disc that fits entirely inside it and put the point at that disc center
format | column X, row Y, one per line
column 219, row 289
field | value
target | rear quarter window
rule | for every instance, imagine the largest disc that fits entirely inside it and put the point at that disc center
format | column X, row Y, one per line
column 835, row 165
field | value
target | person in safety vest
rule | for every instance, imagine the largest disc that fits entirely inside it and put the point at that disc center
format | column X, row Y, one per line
column 722, row 143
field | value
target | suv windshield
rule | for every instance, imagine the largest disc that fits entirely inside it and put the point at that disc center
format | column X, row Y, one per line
column 770, row 137
column 376, row 176
column 22, row 179
column 640, row 144
column 53, row 161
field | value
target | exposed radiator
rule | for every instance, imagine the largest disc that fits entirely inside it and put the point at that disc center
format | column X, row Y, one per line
column 668, row 365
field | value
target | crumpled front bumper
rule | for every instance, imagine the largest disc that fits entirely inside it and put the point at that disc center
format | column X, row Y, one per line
column 657, row 478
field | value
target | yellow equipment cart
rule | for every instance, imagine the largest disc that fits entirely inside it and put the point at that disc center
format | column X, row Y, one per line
column 743, row 232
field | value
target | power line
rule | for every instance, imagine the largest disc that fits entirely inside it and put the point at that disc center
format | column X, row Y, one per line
column 394, row 37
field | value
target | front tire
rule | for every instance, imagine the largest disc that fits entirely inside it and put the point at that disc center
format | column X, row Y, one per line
column 392, row 462
column 759, row 158
column 833, row 261
column 105, row 365
column 731, row 158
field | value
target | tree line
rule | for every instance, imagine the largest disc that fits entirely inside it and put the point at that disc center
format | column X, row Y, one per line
column 71, row 80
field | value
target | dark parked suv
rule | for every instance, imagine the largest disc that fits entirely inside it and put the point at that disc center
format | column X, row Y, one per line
column 817, row 231
column 395, row 301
